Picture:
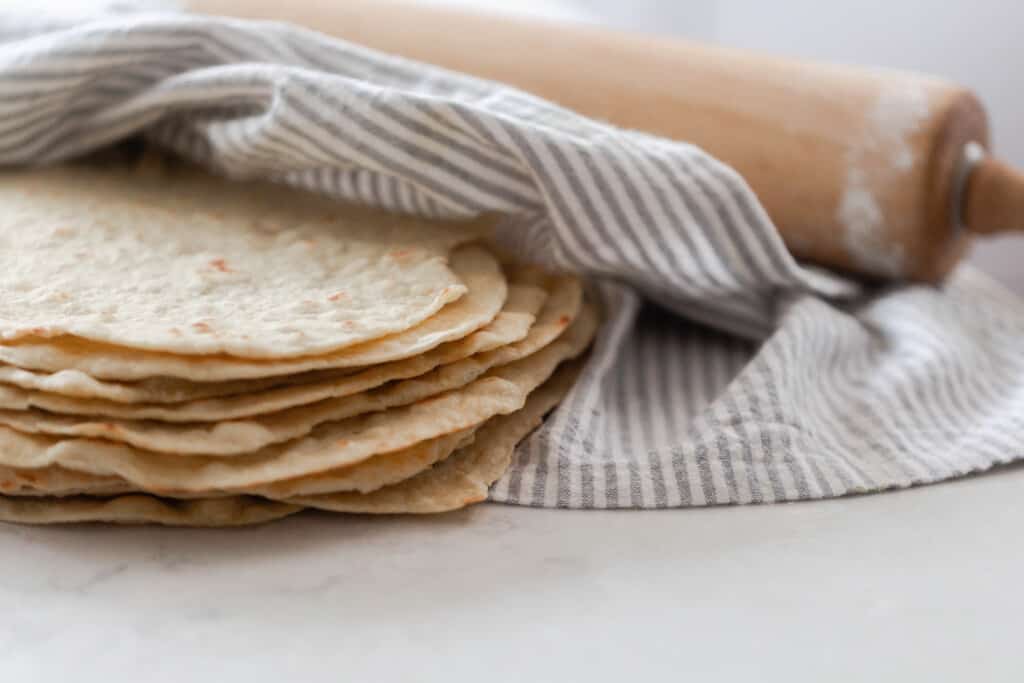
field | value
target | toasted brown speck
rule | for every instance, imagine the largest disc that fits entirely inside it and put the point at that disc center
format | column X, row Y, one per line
column 401, row 255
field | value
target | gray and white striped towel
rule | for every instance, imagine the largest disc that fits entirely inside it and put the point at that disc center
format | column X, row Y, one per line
column 727, row 373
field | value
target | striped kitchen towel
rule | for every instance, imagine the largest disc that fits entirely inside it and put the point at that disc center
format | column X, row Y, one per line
column 726, row 372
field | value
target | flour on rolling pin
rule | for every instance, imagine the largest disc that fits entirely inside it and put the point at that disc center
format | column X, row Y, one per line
column 877, row 163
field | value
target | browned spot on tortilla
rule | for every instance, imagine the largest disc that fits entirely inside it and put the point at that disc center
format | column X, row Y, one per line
column 201, row 327
column 37, row 331
column 221, row 265
column 564, row 320
column 175, row 331
column 30, row 478
column 337, row 296
column 401, row 255
column 7, row 485
column 341, row 443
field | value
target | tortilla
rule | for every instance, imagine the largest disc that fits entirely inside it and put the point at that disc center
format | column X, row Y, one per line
column 236, row 437
column 193, row 264
column 473, row 265
column 512, row 325
column 368, row 475
column 466, row 476
column 459, row 479
column 332, row 445
column 145, row 509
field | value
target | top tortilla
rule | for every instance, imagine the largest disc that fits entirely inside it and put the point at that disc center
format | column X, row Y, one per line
column 512, row 325
column 473, row 265
column 191, row 264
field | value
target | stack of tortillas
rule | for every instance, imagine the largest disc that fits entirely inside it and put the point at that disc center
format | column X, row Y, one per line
column 179, row 349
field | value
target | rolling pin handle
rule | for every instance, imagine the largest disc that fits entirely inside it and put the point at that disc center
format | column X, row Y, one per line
column 993, row 196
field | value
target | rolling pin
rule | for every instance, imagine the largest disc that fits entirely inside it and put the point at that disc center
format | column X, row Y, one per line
column 876, row 172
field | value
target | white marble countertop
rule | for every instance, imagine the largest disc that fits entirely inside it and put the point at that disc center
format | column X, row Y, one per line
column 917, row 585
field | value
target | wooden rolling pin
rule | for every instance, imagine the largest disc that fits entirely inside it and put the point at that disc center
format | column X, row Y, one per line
column 877, row 172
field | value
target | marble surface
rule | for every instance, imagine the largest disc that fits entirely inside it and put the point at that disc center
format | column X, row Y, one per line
column 917, row 585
